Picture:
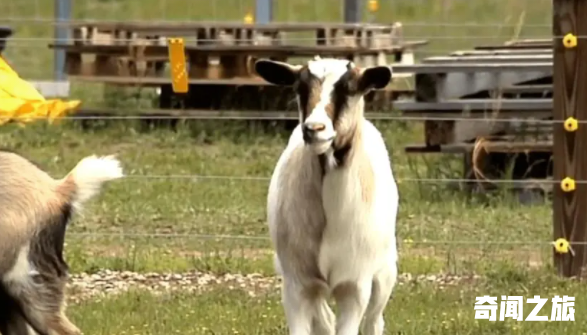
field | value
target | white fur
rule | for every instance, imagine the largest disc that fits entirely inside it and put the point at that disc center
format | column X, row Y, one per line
column 89, row 175
column 22, row 270
column 358, row 244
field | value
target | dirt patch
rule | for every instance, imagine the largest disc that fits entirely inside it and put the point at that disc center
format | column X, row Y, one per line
column 104, row 283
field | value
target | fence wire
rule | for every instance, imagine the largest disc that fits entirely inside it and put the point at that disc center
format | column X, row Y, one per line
column 380, row 116
column 130, row 235
column 448, row 28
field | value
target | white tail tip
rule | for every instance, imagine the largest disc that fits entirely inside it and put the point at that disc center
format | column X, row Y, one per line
column 91, row 172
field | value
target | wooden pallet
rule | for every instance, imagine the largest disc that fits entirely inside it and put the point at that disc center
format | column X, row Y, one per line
column 224, row 50
column 510, row 82
column 496, row 83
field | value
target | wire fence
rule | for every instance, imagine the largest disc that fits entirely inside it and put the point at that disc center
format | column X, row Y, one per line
column 448, row 25
column 266, row 238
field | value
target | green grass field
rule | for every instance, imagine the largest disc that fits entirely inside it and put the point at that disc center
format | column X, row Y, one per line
column 186, row 232
column 216, row 226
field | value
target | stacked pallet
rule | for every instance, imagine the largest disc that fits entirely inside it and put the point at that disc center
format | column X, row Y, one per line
column 498, row 97
column 223, row 50
column 220, row 57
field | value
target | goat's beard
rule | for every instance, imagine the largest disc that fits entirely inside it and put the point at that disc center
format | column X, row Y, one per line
column 320, row 147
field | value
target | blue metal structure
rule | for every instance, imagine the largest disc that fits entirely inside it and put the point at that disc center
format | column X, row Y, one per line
column 62, row 14
column 263, row 11
column 352, row 11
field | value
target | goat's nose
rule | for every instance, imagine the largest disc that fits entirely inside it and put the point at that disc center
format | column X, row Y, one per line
column 311, row 127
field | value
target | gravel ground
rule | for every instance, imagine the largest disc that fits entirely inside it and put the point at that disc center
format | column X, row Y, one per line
column 104, row 283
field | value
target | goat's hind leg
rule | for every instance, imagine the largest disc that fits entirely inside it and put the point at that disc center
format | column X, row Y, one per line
column 383, row 284
column 12, row 322
column 42, row 305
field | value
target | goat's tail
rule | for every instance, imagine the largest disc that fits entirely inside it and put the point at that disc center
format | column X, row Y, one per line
column 86, row 179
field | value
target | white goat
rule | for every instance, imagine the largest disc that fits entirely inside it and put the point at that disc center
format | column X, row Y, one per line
column 333, row 201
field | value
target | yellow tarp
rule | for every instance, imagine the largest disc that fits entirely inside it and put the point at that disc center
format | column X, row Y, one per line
column 21, row 102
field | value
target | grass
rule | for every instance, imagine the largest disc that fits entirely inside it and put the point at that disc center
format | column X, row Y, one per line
column 434, row 223
column 415, row 309
column 217, row 225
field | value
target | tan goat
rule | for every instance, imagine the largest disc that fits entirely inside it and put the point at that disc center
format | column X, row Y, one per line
column 34, row 212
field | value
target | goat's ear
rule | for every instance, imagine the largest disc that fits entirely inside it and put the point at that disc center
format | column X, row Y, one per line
column 374, row 78
column 277, row 73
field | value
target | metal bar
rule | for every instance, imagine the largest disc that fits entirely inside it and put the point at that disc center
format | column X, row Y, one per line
column 499, row 67
column 525, row 89
column 514, row 52
column 475, row 105
column 519, row 116
column 489, row 59
column 62, row 14
column 456, row 85
column 490, row 146
column 515, row 46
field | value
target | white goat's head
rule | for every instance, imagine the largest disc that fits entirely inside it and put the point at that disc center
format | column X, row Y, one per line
column 330, row 95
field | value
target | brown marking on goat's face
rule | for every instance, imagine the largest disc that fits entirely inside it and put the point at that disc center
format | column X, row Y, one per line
column 344, row 88
column 308, row 89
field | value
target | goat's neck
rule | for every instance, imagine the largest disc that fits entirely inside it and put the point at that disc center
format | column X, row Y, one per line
column 344, row 148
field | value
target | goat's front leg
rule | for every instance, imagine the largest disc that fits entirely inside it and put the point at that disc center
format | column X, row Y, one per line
column 297, row 308
column 383, row 285
column 324, row 318
column 352, row 300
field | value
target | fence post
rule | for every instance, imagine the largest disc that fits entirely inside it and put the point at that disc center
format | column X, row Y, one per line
column 352, row 11
column 263, row 11
column 570, row 147
column 62, row 15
